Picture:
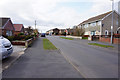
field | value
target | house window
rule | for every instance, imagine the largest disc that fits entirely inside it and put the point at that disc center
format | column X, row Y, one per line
column 106, row 32
column 99, row 22
column 9, row 33
column 117, row 23
column 118, row 31
column 93, row 24
column 83, row 25
column 86, row 25
column 92, row 32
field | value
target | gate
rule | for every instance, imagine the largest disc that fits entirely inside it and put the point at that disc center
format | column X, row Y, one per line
column 95, row 38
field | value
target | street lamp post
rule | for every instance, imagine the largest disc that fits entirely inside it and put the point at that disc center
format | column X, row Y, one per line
column 112, row 21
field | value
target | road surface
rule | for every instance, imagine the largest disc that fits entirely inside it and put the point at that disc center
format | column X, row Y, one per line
column 92, row 62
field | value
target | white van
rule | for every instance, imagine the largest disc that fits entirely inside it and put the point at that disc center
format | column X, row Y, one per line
column 6, row 48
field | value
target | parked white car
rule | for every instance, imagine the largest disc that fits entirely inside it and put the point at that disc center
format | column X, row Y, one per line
column 6, row 48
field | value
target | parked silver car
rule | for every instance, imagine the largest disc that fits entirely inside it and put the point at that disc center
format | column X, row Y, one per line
column 6, row 48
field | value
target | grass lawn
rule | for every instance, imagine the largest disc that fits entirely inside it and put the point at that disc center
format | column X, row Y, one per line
column 47, row 45
column 100, row 45
column 66, row 38
column 84, row 37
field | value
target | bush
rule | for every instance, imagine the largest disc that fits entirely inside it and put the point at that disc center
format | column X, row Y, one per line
column 11, row 38
column 28, row 37
column 21, row 34
column 19, row 37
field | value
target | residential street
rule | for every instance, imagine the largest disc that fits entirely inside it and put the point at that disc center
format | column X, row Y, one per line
column 91, row 61
column 39, row 63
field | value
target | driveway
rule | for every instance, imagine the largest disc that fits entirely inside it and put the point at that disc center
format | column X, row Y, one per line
column 40, row 63
column 92, row 62
column 17, row 52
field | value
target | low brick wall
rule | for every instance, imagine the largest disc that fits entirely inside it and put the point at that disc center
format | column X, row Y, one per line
column 28, row 42
column 18, row 43
column 115, row 40
column 23, row 43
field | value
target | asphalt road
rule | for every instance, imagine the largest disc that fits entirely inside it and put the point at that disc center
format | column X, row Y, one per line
column 39, row 63
column 92, row 62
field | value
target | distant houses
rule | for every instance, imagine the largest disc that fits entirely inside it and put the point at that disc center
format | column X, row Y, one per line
column 6, row 27
column 19, row 28
column 101, row 24
column 57, row 31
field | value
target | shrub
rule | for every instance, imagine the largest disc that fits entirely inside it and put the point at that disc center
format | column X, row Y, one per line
column 28, row 37
column 21, row 34
column 19, row 37
column 11, row 38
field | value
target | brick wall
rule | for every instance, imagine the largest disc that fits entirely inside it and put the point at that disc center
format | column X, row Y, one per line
column 115, row 40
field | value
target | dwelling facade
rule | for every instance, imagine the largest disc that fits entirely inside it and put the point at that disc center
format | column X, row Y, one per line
column 56, row 31
column 6, row 27
column 101, row 24
column 49, row 32
column 19, row 28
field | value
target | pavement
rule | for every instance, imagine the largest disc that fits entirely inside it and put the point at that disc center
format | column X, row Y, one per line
column 39, row 63
column 90, row 61
column 17, row 52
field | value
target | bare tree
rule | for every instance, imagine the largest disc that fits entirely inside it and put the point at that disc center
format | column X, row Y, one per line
column 78, row 31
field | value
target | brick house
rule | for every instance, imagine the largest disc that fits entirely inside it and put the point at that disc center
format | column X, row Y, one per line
column 62, row 31
column 101, row 24
column 19, row 28
column 56, row 31
column 6, row 27
column 49, row 32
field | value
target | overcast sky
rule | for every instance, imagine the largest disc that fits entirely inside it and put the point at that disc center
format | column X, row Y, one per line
column 53, row 13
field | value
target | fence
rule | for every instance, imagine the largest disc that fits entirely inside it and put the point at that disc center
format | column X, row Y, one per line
column 95, row 38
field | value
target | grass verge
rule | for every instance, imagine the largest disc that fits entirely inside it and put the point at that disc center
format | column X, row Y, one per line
column 66, row 38
column 84, row 37
column 47, row 45
column 100, row 45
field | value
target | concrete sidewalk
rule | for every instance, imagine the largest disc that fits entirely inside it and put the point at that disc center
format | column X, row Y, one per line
column 40, row 63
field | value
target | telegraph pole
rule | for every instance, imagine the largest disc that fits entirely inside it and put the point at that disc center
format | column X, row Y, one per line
column 35, row 24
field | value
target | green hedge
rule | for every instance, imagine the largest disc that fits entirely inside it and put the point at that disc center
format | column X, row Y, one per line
column 20, row 37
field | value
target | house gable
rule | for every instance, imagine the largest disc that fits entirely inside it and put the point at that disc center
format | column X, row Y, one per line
column 19, row 27
column 107, row 22
column 9, row 25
